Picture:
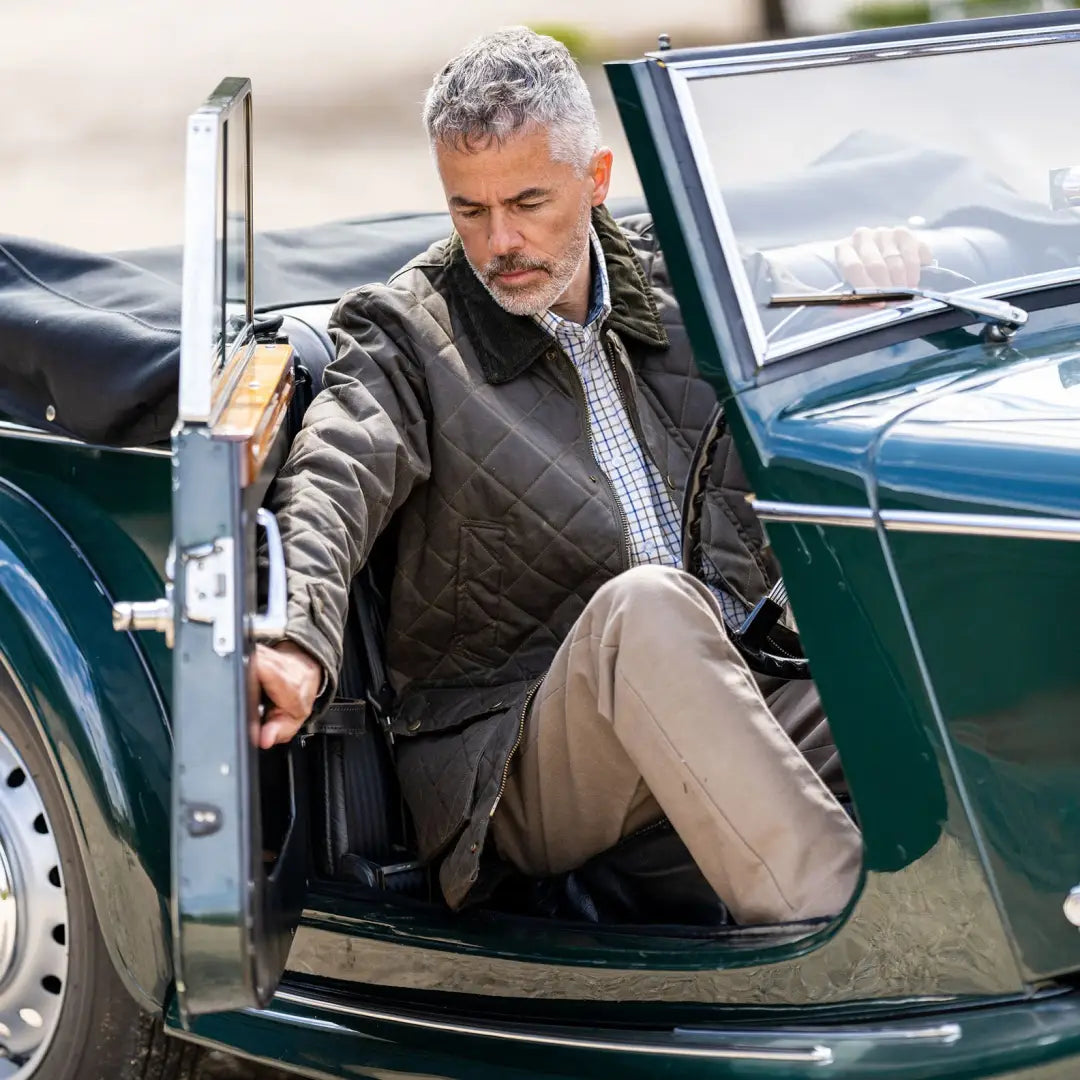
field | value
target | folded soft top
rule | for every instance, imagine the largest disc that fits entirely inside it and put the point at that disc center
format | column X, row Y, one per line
column 90, row 344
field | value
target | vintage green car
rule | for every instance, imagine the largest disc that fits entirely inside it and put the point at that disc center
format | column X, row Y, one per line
column 915, row 455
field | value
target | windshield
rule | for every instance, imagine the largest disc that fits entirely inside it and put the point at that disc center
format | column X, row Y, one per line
column 971, row 152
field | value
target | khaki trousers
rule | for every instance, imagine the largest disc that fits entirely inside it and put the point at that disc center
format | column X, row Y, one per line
column 648, row 710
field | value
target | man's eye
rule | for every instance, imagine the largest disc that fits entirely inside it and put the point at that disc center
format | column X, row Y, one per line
column 530, row 205
column 469, row 214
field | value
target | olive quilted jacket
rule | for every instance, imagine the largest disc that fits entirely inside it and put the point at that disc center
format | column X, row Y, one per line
column 468, row 426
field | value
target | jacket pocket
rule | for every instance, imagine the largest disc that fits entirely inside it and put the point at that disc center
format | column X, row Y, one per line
column 481, row 554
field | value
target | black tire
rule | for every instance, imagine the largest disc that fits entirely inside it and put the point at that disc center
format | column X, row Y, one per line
column 102, row 1033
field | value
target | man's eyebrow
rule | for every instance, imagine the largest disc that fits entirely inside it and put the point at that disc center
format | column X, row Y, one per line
column 528, row 193
column 459, row 201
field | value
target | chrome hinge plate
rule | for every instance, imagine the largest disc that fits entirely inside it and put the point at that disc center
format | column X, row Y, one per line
column 209, row 588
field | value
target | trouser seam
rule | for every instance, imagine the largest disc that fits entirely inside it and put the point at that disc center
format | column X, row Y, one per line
column 705, row 791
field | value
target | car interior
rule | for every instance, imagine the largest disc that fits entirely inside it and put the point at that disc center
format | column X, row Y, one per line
column 360, row 825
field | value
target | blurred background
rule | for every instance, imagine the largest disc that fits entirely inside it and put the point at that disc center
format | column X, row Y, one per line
column 92, row 144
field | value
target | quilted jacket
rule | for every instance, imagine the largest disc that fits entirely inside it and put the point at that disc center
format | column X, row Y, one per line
column 468, row 427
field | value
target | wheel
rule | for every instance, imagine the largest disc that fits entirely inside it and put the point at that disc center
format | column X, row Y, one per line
column 64, row 1013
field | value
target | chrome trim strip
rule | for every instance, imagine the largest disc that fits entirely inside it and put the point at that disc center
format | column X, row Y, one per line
column 814, row 1054
column 882, row 50
column 922, row 521
column 725, row 231
column 1025, row 528
column 20, row 431
column 944, row 1033
column 806, row 513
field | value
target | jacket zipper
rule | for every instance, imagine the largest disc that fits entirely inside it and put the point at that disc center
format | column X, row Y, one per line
column 627, row 549
column 529, row 695
column 632, row 414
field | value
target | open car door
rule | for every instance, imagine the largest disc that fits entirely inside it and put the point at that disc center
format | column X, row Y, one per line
column 239, row 852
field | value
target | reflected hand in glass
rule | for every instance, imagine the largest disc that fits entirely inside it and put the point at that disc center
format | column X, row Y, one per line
column 884, row 257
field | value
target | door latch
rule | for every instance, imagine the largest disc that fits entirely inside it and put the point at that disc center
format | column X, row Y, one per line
column 209, row 588
column 209, row 593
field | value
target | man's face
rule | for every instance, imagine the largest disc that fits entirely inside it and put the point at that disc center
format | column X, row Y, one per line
column 522, row 217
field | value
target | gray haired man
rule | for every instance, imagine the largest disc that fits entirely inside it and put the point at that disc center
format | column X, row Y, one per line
column 522, row 400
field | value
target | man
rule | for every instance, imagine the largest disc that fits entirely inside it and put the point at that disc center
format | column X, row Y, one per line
column 522, row 400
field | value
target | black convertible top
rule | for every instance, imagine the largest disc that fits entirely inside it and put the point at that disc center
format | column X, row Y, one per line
column 93, row 341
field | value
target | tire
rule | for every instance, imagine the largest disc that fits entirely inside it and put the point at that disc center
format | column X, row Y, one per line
column 97, row 1031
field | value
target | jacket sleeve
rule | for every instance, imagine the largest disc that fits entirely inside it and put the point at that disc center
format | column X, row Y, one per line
column 362, row 449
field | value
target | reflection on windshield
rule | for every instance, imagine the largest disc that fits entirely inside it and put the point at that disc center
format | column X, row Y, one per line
column 960, row 149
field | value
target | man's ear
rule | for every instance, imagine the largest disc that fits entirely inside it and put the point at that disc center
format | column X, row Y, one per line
column 600, row 173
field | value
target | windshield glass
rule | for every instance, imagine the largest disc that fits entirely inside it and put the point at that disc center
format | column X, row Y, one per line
column 966, row 158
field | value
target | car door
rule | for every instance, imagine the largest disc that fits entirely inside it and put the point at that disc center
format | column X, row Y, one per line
column 239, row 843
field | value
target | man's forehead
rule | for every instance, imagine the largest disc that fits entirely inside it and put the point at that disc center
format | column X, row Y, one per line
column 500, row 172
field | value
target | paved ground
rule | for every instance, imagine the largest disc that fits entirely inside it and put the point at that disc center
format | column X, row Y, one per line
column 218, row 1066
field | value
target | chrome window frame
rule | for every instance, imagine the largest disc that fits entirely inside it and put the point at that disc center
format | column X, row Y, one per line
column 683, row 72
column 230, row 101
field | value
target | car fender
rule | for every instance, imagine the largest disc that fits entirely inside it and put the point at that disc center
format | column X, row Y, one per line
column 105, row 727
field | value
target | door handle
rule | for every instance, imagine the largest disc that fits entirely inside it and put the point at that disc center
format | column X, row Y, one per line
column 269, row 625
column 159, row 615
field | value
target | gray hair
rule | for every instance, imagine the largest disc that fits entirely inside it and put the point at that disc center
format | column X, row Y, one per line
column 511, row 81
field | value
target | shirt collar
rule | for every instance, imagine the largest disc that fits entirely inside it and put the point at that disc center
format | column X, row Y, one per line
column 600, row 298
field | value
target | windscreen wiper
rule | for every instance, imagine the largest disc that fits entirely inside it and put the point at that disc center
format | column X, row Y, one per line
column 1002, row 318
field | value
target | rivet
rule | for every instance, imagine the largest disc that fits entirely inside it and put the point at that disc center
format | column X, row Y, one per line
column 50, row 413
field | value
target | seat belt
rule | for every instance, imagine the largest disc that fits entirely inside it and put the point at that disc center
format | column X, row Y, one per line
column 380, row 695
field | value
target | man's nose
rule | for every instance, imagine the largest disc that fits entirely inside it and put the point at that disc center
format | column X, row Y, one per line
column 503, row 238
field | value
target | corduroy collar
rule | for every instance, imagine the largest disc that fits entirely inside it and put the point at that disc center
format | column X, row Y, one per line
column 507, row 345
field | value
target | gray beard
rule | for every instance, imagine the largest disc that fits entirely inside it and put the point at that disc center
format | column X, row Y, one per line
column 538, row 298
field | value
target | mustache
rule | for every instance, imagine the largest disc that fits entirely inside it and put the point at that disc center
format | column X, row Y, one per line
column 512, row 264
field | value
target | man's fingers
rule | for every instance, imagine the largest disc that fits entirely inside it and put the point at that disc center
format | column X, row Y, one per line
column 274, row 678
column 901, row 252
column 278, row 727
column 871, row 256
column 885, row 257
column 851, row 266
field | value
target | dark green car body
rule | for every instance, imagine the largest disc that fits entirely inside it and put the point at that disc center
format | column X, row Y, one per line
column 921, row 487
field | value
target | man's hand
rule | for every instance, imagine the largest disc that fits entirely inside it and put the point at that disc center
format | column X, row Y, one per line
column 290, row 678
column 887, row 258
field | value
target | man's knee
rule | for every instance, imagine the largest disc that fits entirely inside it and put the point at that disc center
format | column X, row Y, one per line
column 648, row 592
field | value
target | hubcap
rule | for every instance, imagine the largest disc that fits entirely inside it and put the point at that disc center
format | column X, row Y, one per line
column 33, row 921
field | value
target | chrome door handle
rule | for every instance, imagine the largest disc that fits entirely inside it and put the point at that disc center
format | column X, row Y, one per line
column 146, row 615
column 159, row 615
column 270, row 624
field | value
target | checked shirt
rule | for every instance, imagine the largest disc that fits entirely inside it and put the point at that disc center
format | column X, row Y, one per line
column 654, row 521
